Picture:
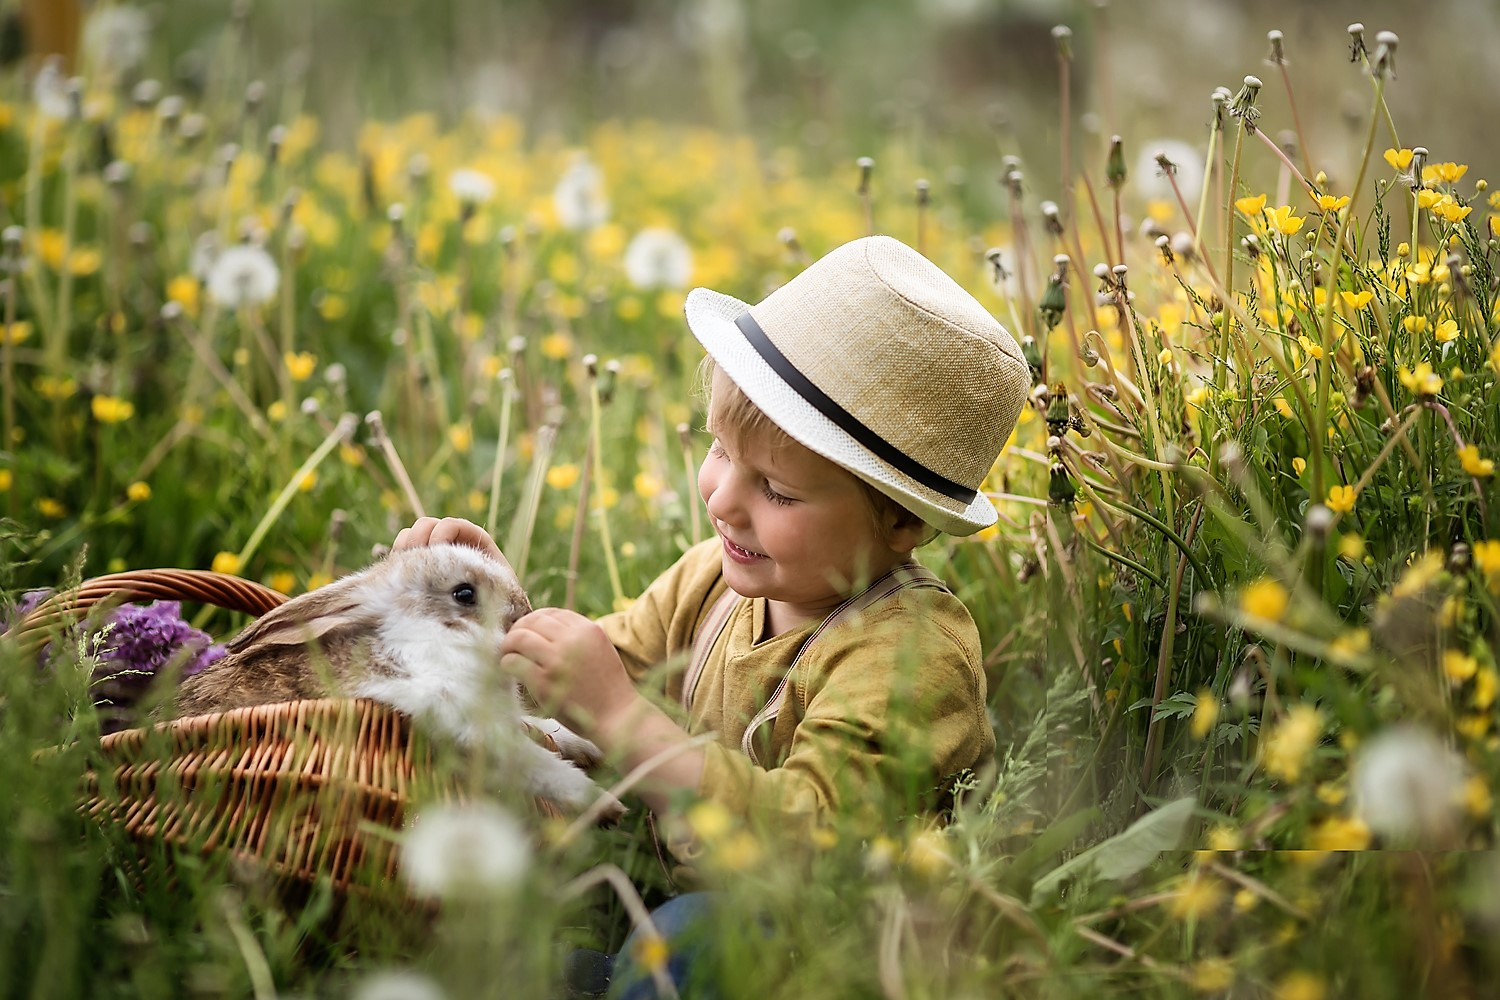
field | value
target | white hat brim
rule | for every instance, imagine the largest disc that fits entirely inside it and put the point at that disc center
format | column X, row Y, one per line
column 711, row 316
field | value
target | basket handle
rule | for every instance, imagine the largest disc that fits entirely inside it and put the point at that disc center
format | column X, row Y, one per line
column 201, row 585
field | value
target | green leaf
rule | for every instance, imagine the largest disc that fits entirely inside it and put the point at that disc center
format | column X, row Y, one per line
column 1125, row 853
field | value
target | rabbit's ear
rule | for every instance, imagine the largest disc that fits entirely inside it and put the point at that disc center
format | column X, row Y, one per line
column 312, row 616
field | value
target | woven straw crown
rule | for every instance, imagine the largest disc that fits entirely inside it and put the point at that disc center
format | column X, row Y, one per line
column 928, row 382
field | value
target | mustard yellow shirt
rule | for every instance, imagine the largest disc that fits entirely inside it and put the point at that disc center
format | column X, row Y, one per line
column 892, row 701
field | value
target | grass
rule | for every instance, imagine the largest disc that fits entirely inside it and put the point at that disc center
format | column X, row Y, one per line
column 1248, row 531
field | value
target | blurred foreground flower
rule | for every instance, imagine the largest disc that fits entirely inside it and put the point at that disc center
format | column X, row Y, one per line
column 243, row 275
column 579, row 197
column 1408, row 787
column 457, row 849
column 1292, row 739
column 658, row 258
column 398, row 984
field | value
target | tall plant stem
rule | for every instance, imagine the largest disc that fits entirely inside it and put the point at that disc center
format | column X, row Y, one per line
column 1164, row 658
column 502, row 443
column 1227, row 332
column 1291, row 100
column 1325, row 322
column 595, row 435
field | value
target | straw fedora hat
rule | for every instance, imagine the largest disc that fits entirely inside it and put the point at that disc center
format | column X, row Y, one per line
column 878, row 361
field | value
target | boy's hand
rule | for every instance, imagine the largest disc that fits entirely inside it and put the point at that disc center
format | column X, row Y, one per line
column 446, row 530
column 568, row 663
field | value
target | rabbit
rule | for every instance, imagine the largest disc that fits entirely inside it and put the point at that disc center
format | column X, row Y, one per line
column 419, row 631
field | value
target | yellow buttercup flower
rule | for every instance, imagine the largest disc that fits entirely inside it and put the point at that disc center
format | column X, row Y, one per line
column 1284, row 222
column 1421, row 380
column 1444, row 173
column 282, row 581
column 1199, row 896
column 300, row 365
column 138, row 491
column 1313, row 350
column 461, row 437
column 1399, row 159
column 226, row 562
column 1205, row 714
column 1282, row 407
column 1291, row 741
column 7, row 480
column 17, row 333
column 1446, row 332
column 562, row 477
column 1414, row 324
column 111, row 409
column 1451, row 211
column 1328, row 203
column 1251, row 206
column 557, row 346
column 1339, row 833
column 1211, row 975
column 1468, row 457
column 1341, row 498
column 1264, row 598
column 1357, row 300
column 50, row 507
column 1458, row 665
column 1299, row 465
column 1487, row 558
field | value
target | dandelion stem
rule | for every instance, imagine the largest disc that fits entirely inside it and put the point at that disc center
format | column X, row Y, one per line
column 502, row 443
column 595, row 435
column 388, row 449
column 57, row 346
column 1325, row 325
column 1291, row 100
column 580, row 518
column 616, row 879
column 1227, row 330
column 337, row 436
column 525, row 522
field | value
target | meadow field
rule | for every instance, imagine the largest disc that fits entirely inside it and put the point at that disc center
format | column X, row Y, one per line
column 1239, row 613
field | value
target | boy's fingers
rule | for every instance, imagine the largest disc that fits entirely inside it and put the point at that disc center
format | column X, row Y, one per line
column 416, row 536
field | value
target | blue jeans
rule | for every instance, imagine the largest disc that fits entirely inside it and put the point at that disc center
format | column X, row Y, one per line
column 687, row 924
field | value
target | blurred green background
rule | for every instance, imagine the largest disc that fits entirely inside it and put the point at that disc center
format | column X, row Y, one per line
column 979, row 76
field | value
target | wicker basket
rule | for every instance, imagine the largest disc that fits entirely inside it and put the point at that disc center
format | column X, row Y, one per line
column 306, row 790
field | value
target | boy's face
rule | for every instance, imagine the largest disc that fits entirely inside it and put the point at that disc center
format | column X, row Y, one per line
column 795, row 528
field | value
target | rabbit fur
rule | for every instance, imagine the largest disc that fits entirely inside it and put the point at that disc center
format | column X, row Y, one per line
column 419, row 631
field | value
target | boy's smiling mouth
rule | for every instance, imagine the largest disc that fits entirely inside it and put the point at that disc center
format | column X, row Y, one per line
column 738, row 552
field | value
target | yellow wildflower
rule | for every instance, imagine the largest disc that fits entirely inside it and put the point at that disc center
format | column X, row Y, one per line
column 318, row 580
column 1282, row 407
column 1357, row 300
column 1487, row 558
column 308, row 481
column 300, row 365
column 928, row 855
column 738, row 852
column 138, row 491
column 7, row 480
column 651, row 952
column 562, row 477
column 1458, row 665
column 1299, row 465
column 1427, row 198
column 1399, row 159
column 1447, row 331
column 1349, row 645
column 1444, row 173
column 1205, row 714
column 1341, row 498
column 1251, row 206
column 276, row 412
column 1291, row 740
column 557, row 346
column 16, row 333
column 185, row 290
column 1284, row 222
column 1468, row 457
column 461, row 437
column 1265, row 598
column 282, row 581
column 1414, row 324
column 226, row 562
column 1223, row 838
column 1165, row 357
column 1339, row 833
column 1451, row 211
column 647, row 486
column 1328, row 203
column 1211, row 975
column 111, row 409
column 1313, row 350
column 1301, row 985
column 49, row 507
column 1245, row 900
column 1421, row 380
column 1495, row 356
column 1199, row 896
column 1477, row 798
column 1486, row 684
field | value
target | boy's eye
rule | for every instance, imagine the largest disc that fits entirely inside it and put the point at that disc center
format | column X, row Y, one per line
column 781, row 500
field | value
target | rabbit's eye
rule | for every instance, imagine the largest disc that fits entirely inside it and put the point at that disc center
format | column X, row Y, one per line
column 464, row 593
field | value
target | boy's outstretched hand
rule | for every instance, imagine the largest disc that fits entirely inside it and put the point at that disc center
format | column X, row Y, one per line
column 569, row 665
column 445, row 530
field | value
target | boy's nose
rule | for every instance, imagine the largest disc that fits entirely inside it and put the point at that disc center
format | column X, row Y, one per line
column 723, row 501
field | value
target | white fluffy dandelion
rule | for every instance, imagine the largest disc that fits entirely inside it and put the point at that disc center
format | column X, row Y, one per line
column 1408, row 786
column 579, row 197
column 49, row 91
column 398, row 984
column 472, row 187
column 243, row 275
column 1153, row 183
column 658, row 258
column 116, row 39
column 453, row 849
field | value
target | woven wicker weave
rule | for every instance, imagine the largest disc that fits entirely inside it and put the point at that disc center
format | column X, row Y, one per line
column 305, row 789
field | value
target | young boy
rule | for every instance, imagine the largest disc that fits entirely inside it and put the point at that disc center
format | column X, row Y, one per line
column 855, row 410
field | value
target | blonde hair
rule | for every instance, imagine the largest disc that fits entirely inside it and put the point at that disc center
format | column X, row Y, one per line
column 733, row 416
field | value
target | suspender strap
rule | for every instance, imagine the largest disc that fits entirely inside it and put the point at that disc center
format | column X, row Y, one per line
column 898, row 579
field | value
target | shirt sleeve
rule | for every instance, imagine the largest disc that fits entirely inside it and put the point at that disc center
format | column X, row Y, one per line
column 891, row 711
column 660, row 623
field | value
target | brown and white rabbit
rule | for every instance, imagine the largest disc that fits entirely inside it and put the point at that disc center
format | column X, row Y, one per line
column 419, row 631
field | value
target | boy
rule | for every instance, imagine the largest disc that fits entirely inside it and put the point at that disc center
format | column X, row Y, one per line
column 855, row 409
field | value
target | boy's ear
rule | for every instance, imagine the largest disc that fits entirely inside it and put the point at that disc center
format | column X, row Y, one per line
column 906, row 535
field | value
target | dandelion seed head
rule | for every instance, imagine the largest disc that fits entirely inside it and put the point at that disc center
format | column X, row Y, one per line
column 579, row 198
column 472, row 187
column 1407, row 785
column 454, row 849
column 243, row 275
column 398, row 984
column 1151, row 178
column 658, row 257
